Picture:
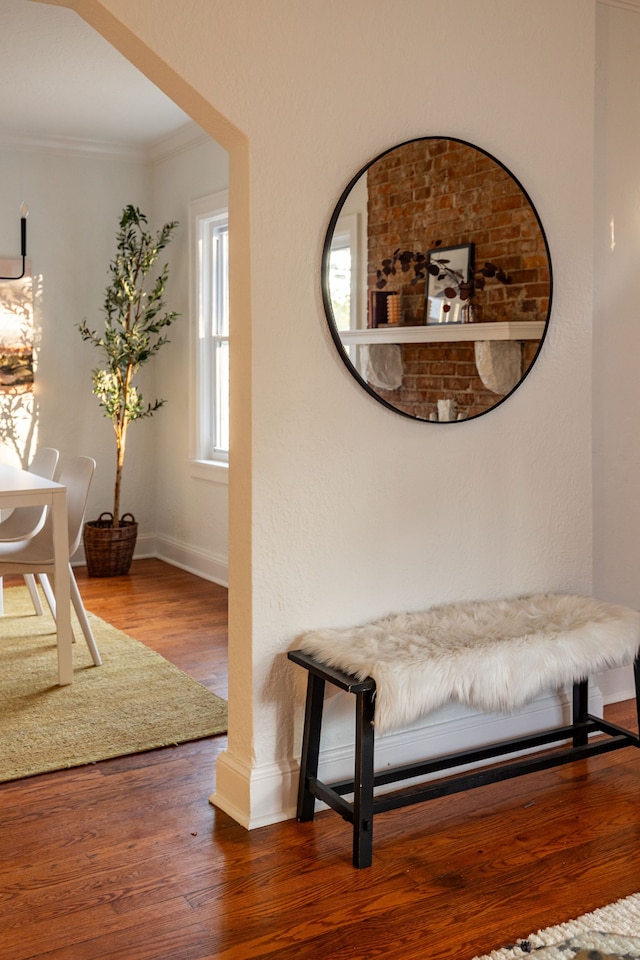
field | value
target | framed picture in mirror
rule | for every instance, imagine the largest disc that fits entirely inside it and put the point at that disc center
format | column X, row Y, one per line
column 449, row 283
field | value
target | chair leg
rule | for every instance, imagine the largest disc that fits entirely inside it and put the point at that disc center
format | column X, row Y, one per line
column 81, row 614
column 636, row 674
column 78, row 606
column 48, row 593
column 30, row 583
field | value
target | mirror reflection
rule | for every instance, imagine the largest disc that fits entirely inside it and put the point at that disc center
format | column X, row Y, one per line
column 437, row 280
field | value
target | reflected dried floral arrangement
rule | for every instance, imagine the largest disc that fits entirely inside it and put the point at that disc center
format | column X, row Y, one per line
column 404, row 261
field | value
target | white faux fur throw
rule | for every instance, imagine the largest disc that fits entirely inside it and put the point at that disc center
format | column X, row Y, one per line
column 494, row 655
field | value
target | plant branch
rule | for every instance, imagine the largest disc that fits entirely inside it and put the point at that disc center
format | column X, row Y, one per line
column 132, row 331
column 421, row 264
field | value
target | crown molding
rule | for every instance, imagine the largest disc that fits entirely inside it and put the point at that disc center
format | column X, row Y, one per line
column 71, row 146
column 632, row 5
column 184, row 138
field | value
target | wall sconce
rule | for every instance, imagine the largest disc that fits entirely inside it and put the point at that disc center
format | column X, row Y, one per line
column 24, row 213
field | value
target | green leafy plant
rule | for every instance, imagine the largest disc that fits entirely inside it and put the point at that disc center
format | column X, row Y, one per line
column 134, row 327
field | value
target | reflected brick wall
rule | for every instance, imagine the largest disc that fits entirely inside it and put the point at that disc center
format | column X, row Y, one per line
column 441, row 190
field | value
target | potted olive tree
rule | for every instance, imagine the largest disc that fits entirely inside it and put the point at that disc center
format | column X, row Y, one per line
column 134, row 331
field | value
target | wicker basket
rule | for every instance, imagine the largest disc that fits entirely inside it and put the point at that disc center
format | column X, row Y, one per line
column 109, row 549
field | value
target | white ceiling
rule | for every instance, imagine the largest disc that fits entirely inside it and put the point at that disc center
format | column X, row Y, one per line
column 61, row 80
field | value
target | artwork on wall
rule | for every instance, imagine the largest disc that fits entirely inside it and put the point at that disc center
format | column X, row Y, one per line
column 16, row 331
column 449, row 275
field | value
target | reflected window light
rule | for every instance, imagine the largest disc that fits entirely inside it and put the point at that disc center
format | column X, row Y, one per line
column 18, row 429
column 16, row 332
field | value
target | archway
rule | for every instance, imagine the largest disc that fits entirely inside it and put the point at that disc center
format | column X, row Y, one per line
column 236, row 145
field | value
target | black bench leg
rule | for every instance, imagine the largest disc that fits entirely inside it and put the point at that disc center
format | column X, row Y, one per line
column 310, row 746
column 636, row 673
column 363, row 781
column 580, row 711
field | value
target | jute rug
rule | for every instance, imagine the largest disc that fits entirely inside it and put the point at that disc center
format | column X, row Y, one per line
column 135, row 701
column 610, row 933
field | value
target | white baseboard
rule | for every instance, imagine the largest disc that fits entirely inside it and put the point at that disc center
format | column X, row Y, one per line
column 202, row 563
column 255, row 797
column 617, row 684
column 259, row 796
column 453, row 729
column 146, row 546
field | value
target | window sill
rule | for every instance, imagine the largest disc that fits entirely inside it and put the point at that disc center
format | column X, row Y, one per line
column 213, row 471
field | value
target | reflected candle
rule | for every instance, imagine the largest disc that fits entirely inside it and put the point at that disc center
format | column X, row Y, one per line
column 24, row 213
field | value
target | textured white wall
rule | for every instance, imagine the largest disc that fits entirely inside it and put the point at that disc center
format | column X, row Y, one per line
column 341, row 510
column 616, row 344
column 616, row 384
column 192, row 513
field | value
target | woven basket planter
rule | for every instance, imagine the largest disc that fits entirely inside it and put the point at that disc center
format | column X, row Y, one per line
column 108, row 549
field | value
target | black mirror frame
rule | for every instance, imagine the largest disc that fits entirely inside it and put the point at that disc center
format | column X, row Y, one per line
column 326, row 293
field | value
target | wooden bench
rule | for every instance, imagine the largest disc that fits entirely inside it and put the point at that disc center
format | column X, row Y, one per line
column 576, row 739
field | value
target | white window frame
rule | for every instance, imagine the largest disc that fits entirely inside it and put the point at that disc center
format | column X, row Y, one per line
column 206, row 217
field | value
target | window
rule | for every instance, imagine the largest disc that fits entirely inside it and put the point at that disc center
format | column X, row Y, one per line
column 18, row 420
column 343, row 277
column 343, row 272
column 209, row 227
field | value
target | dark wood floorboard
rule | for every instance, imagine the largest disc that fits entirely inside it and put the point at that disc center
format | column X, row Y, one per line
column 127, row 859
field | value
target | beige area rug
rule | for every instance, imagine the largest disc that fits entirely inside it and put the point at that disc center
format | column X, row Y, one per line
column 610, row 933
column 135, row 701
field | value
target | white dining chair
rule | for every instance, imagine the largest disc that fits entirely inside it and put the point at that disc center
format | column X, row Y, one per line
column 34, row 556
column 24, row 522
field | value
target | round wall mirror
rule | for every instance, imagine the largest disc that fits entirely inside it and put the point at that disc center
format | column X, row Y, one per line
column 437, row 280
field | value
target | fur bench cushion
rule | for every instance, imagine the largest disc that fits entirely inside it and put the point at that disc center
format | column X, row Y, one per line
column 493, row 655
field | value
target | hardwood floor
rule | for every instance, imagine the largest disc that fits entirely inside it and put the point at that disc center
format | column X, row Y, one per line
column 127, row 859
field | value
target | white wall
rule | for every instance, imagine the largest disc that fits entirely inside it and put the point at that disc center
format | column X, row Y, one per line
column 192, row 502
column 75, row 198
column 616, row 343
column 341, row 510
column 74, row 201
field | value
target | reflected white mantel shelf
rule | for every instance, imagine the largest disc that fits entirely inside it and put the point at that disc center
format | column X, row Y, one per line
column 447, row 332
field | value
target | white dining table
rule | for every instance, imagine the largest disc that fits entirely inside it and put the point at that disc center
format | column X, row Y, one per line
column 19, row 488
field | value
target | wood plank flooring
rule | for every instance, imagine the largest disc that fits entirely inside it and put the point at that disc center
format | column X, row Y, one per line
column 127, row 859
